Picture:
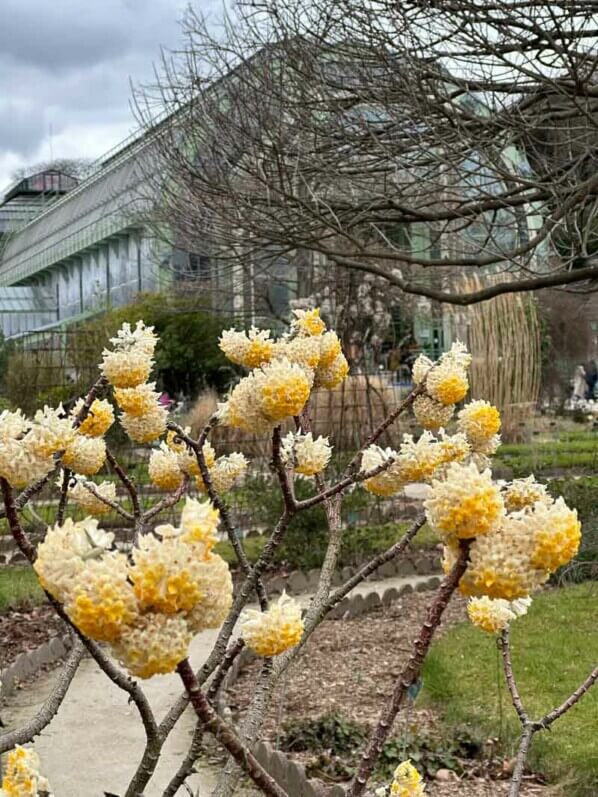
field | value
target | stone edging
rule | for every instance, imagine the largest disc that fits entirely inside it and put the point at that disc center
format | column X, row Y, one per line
column 297, row 582
column 28, row 664
column 288, row 774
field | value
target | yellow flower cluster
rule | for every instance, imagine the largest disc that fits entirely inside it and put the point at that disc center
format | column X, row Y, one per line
column 306, row 455
column 465, row 504
column 224, row 472
column 86, row 499
column 272, row 632
column 415, row 461
column 85, row 455
column 524, row 493
column 147, row 608
column 99, row 419
column 249, row 349
column 267, row 396
column 127, row 367
column 23, row 454
column 308, row 322
column 495, row 615
column 163, row 468
column 284, row 371
column 431, row 414
column 130, row 362
column 406, row 782
column 22, row 777
column 518, row 556
column 446, row 381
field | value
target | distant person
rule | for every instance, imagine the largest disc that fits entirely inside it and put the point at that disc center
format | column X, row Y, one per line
column 580, row 385
column 165, row 400
column 591, row 378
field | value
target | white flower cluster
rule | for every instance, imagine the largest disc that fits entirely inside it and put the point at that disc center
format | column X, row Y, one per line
column 306, row 455
column 149, row 607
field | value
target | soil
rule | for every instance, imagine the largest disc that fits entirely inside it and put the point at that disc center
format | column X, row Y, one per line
column 349, row 667
column 24, row 630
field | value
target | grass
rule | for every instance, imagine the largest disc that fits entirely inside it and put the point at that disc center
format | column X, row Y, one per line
column 573, row 450
column 555, row 647
column 18, row 586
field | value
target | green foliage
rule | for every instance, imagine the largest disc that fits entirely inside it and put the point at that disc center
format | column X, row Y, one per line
column 337, row 742
column 19, row 587
column 576, row 450
column 331, row 732
column 429, row 752
column 555, row 647
column 60, row 365
column 188, row 358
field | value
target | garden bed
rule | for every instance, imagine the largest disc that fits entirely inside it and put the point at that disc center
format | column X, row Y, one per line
column 350, row 666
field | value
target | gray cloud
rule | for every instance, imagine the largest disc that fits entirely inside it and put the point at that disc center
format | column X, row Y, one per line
column 67, row 65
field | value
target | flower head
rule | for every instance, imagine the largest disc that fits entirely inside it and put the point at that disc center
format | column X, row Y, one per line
column 51, row 432
column 330, row 348
column 225, row 472
column 147, row 427
column 331, row 375
column 163, row 468
column 154, row 645
column 216, row 598
column 524, row 493
column 62, row 555
column 250, row 350
column 272, row 632
column 85, row 455
column 303, row 351
column 308, row 322
column 407, row 782
column 22, row 777
column 479, row 421
column 557, row 535
column 431, row 414
column 100, row 600
column 500, row 563
column 465, row 504
column 130, row 363
column 99, row 418
column 306, row 455
column 139, row 400
column 447, row 382
column 490, row 615
column 387, row 482
column 87, row 500
column 199, row 523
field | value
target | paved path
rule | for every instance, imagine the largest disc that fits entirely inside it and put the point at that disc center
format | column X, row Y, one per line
column 95, row 741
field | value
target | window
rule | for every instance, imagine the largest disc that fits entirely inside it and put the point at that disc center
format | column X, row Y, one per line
column 199, row 266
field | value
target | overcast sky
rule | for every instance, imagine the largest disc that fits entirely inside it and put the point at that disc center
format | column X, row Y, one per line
column 65, row 66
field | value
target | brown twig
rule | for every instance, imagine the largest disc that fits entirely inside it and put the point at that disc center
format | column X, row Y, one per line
column 225, row 665
column 10, row 509
column 130, row 488
column 410, row 672
column 91, row 488
column 225, row 735
column 505, row 647
column 64, row 490
column 168, row 500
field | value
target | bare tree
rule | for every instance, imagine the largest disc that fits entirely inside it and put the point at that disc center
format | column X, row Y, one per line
column 405, row 140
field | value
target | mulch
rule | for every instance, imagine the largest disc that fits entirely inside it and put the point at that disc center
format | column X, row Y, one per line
column 24, row 630
column 349, row 667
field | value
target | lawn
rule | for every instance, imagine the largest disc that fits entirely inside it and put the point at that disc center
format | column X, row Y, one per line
column 18, row 586
column 555, row 647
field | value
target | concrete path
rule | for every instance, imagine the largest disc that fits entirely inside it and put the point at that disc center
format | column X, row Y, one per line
column 95, row 742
